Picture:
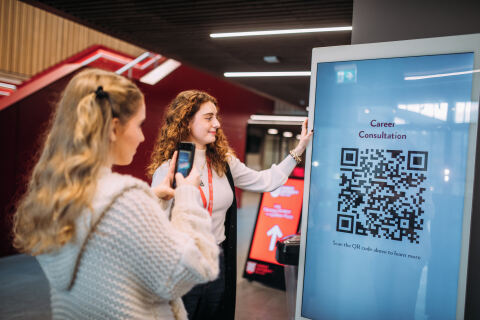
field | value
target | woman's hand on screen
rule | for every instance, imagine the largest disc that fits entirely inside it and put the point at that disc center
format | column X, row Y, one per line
column 305, row 137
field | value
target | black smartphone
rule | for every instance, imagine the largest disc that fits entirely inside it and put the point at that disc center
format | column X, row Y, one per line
column 186, row 153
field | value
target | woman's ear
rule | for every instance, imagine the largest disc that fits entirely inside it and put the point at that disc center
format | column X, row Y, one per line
column 114, row 129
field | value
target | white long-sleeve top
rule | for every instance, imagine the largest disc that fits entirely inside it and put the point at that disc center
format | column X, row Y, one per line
column 243, row 177
column 128, row 260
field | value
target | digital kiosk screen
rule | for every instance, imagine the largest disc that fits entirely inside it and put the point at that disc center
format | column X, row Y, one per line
column 387, row 187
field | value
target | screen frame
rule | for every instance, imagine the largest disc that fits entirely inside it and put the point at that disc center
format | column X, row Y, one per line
column 398, row 49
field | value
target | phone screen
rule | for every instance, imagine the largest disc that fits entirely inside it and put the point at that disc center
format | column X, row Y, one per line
column 184, row 162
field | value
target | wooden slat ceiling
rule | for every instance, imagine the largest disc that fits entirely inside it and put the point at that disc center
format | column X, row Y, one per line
column 180, row 30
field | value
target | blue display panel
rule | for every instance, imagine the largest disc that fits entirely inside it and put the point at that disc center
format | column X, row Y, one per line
column 184, row 162
column 387, row 188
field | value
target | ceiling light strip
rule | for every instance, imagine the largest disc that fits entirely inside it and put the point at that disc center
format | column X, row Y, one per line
column 132, row 63
column 268, row 74
column 8, row 86
column 114, row 57
column 160, row 72
column 260, row 117
column 275, row 32
column 150, row 62
column 91, row 59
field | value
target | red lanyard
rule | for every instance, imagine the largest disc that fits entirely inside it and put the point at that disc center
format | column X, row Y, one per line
column 210, row 191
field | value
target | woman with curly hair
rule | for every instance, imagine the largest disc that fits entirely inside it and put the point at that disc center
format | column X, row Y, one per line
column 108, row 249
column 193, row 116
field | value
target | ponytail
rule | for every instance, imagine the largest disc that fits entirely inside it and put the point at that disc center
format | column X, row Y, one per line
column 64, row 179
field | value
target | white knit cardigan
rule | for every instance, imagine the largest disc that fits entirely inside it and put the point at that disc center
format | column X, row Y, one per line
column 128, row 259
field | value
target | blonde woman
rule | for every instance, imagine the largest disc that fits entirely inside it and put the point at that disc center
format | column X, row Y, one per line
column 193, row 116
column 108, row 249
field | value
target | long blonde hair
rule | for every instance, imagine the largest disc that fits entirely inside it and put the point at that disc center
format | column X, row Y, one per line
column 64, row 179
column 176, row 129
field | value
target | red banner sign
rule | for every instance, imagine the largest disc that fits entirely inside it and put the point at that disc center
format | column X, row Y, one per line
column 279, row 216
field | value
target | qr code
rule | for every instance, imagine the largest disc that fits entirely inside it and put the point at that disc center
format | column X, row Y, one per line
column 382, row 193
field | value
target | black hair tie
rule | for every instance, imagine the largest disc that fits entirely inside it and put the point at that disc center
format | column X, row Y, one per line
column 100, row 93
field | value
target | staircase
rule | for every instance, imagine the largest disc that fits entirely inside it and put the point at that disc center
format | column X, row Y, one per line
column 148, row 68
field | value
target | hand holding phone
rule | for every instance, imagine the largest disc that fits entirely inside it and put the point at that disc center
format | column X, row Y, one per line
column 192, row 179
column 164, row 190
column 184, row 163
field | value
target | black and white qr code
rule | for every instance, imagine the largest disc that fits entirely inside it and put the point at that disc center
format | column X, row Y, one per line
column 382, row 193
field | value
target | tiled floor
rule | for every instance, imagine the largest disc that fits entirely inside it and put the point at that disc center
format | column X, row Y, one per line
column 258, row 302
column 24, row 289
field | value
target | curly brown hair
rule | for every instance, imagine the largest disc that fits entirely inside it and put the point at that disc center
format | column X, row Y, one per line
column 175, row 129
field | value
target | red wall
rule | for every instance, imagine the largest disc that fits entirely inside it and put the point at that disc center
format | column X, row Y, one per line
column 22, row 126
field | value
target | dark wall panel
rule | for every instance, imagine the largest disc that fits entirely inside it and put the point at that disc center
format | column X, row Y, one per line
column 8, row 134
column 380, row 20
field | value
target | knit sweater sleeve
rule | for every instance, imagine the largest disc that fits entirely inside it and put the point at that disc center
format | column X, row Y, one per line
column 160, row 173
column 261, row 181
column 157, row 178
column 167, row 257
